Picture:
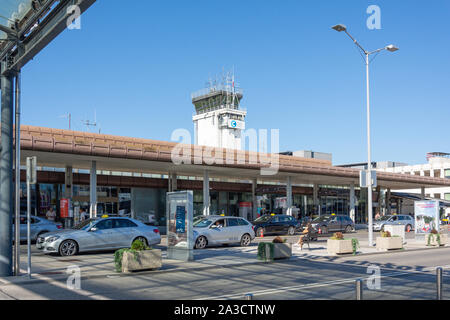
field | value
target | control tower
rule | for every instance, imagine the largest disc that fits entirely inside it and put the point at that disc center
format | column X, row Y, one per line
column 218, row 121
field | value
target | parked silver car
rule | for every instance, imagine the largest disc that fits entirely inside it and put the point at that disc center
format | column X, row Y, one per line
column 399, row 219
column 214, row 230
column 98, row 234
column 38, row 226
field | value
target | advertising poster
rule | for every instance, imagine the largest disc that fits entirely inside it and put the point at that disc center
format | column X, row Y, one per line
column 64, row 206
column 426, row 216
column 179, row 225
column 181, row 219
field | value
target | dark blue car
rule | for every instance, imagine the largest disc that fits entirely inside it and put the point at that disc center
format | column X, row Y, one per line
column 275, row 224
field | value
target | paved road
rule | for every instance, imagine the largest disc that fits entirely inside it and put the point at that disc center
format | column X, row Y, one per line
column 405, row 275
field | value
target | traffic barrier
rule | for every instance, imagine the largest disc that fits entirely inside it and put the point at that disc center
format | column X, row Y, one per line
column 359, row 289
column 439, row 283
column 261, row 232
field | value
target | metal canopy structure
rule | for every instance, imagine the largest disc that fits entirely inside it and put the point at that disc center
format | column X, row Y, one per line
column 28, row 26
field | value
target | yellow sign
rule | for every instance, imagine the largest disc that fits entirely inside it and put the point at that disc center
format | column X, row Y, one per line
column 272, row 214
column 105, row 216
column 222, row 215
column 333, row 214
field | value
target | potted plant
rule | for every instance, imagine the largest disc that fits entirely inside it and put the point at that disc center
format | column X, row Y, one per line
column 277, row 249
column 387, row 242
column 338, row 245
column 138, row 257
column 436, row 239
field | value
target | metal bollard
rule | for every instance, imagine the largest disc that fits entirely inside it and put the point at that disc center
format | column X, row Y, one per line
column 439, row 283
column 248, row 296
column 359, row 289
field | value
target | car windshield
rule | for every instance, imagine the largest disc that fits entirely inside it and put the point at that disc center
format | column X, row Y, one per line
column 86, row 224
column 202, row 223
column 383, row 218
column 263, row 219
column 322, row 219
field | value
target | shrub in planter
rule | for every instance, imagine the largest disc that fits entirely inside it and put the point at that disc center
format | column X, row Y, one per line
column 138, row 257
column 436, row 239
column 337, row 244
column 278, row 240
column 385, row 234
column 337, row 236
column 277, row 249
column 387, row 242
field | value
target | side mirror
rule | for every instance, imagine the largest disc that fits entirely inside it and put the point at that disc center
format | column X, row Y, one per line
column 213, row 226
column 93, row 229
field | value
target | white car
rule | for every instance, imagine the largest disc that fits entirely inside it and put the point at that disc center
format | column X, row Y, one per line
column 215, row 230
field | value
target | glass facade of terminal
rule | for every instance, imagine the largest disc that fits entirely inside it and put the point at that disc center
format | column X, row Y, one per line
column 151, row 202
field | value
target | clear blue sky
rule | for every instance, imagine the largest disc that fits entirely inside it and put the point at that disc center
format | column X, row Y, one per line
column 136, row 63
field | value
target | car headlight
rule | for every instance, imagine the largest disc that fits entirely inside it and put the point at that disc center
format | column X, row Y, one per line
column 52, row 239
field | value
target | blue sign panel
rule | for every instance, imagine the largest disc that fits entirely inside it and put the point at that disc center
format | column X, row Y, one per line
column 180, row 218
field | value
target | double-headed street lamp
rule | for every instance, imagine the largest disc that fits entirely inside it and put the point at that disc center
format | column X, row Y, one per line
column 391, row 48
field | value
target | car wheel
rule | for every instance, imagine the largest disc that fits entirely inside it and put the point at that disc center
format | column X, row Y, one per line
column 68, row 248
column 245, row 240
column 201, row 242
column 142, row 239
column 291, row 231
column 408, row 228
column 348, row 229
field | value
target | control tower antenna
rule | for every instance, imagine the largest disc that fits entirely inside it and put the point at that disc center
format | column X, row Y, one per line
column 219, row 120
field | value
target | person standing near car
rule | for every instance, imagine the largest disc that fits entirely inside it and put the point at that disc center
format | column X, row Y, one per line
column 83, row 214
column 51, row 215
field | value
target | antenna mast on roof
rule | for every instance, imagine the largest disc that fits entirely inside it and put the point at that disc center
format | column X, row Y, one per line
column 68, row 116
column 89, row 123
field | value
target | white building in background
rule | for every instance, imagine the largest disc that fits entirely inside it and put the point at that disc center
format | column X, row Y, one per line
column 438, row 166
column 219, row 120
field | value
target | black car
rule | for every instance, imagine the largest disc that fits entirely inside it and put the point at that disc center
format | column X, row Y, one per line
column 332, row 223
column 271, row 224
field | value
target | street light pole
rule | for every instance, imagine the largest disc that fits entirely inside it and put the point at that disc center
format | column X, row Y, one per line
column 391, row 48
column 369, row 160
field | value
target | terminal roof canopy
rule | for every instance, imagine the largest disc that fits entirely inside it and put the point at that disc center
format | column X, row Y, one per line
column 12, row 10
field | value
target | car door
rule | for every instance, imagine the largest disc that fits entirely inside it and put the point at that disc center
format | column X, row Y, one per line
column 233, row 232
column 284, row 224
column 245, row 227
column 218, row 234
column 101, row 236
column 124, row 231
column 334, row 224
column 275, row 225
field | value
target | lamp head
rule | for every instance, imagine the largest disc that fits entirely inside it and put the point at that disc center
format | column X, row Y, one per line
column 339, row 27
column 391, row 48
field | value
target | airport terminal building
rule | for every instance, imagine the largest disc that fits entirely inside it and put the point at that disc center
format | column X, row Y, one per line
column 122, row 175
column 116, row 175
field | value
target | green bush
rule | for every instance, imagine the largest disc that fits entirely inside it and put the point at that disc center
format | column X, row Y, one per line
column 136, row 246
column 262, row 251
column 337, row 236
